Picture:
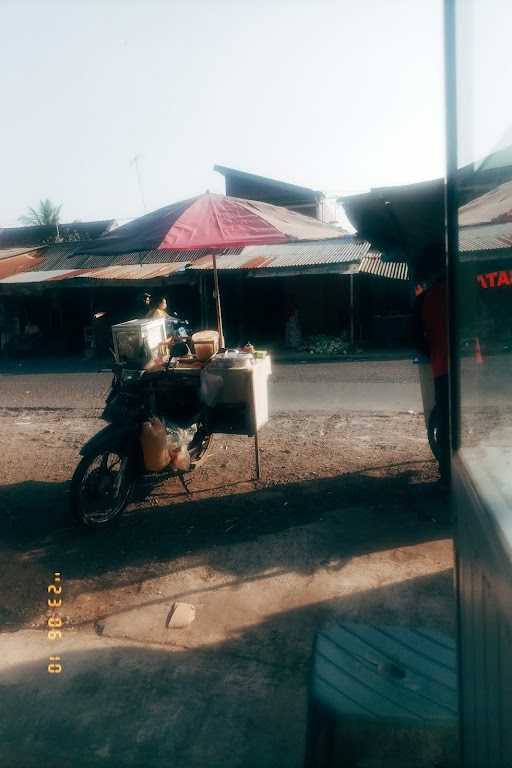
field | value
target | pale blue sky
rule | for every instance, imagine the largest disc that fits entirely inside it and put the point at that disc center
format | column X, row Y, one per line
column 339, row 96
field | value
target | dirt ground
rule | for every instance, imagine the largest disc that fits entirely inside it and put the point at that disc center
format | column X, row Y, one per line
column 311, row 464
column 346, row 523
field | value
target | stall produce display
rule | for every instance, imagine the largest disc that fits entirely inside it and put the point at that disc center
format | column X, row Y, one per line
column 326, row 345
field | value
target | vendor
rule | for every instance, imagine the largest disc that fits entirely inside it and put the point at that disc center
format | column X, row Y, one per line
column 176, row 346
column 159, row 308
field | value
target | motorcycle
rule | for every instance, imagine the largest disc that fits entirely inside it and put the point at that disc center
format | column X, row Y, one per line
column 112, row 461
column 179, row 330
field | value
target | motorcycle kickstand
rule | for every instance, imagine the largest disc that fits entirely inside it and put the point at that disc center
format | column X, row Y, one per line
column 182, row 481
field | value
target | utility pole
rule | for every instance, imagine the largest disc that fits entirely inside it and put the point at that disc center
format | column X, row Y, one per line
column 135, row 161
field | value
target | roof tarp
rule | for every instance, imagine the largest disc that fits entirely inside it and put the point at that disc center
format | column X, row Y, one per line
column 400, row 221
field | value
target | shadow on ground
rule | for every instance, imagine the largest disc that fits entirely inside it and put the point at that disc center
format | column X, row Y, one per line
column 366, row 513
column 239, row 703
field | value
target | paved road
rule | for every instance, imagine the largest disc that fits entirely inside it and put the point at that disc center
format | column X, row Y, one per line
column 356, row 386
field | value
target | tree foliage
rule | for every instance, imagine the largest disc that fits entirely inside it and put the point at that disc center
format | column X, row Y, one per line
column 46, row 213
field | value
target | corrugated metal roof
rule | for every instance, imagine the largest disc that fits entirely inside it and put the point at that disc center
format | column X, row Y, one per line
column 60, row 263
column 8, row 253
column 339, row 251
column 286, row 255
column 115, row 272
column 40, row 276
column 62, row 257
column 24, row 262
column 134, row 272
column 486, row 237
column 493, row 207
column 373, row 265
column 56, row 257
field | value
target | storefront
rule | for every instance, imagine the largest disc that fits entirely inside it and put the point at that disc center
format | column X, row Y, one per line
column 478, row 70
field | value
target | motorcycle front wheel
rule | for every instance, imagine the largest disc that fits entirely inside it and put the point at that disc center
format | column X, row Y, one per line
column 101, row 487
column 199, row 447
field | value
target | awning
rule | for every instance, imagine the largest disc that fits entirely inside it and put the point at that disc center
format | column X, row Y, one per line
column 374, row 265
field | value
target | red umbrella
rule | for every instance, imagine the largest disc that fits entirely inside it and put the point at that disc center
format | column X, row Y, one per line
column 214, row 222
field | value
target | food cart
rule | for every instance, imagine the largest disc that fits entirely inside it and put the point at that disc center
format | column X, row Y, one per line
column 232, row 384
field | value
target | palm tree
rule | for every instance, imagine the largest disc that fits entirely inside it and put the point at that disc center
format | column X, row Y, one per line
column 46, row 213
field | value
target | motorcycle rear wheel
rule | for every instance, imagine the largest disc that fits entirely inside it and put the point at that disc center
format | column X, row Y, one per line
column 433, row 433
column 101, row 487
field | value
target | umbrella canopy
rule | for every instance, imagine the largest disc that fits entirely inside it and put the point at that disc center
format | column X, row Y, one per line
column 211, row 221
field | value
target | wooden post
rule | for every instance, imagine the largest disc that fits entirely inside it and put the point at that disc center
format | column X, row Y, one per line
column 257, row 452
column 352, row 319
column 252, row 419
column 217, row 300
column 202, row 301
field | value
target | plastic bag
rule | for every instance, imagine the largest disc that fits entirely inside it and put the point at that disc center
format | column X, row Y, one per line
column 174, row 439
column 178, row 441
column 211, row 386
column 181, row 460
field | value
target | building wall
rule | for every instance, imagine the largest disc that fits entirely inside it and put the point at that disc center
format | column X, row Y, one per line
column 385, row 311
column 301, row 202
column 256, row 308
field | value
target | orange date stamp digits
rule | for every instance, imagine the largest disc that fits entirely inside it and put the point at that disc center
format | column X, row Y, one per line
column 55, row 623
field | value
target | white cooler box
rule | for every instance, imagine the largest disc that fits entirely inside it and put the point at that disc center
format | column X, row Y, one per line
column 245, row 388
column 138, row 342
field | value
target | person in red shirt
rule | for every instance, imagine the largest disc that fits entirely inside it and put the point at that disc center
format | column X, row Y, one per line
column 435, row 327
column 431, row 315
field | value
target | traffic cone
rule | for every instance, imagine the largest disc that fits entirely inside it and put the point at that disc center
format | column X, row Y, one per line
column 478, row 352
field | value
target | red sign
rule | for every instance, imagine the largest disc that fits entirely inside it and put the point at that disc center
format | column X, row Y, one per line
column 495, row 279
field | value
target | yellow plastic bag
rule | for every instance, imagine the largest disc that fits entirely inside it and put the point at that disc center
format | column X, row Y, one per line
column 154, row 445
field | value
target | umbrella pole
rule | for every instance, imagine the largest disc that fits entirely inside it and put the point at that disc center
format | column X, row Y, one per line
column 217, row 301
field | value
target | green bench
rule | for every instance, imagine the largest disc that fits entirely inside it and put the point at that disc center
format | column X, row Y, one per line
column 382, row 696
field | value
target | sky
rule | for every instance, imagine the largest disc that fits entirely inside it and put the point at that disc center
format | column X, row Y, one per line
column 484, row 71
column 335, row 95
